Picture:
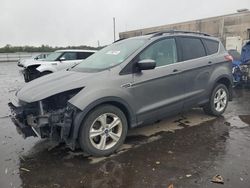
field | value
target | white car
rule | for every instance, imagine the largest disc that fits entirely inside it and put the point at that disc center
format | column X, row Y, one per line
column 36, row 57
column 55, row 61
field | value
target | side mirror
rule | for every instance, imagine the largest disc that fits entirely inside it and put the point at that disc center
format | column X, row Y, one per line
column 62, row 59
column 146, row 64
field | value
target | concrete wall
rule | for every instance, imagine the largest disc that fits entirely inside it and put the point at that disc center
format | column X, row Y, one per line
column 237, row 24
column 14, row 57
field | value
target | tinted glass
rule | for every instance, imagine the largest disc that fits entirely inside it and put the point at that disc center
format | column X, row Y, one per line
column 69, row 55
column 192, row 48
column 110, row 56
column 53, row 56
column 212, row 46
column 163, row 52
column 84, row 55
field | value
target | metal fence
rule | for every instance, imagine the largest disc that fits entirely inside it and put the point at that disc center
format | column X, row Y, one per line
column 14, row 57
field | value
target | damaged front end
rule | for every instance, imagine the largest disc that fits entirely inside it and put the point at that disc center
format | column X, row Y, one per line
column 49, row 118
column 30, row 73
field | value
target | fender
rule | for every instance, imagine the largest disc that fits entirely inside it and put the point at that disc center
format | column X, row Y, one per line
column 43, row 68
column 225, row 76
column 230, row 89
column 221, row 72
column 82, row 114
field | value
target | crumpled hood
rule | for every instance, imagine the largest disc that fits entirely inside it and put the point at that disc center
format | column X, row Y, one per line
column 28, row 62
column 52, row 84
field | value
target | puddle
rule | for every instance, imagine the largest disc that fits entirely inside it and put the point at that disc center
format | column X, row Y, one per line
column 238, row 121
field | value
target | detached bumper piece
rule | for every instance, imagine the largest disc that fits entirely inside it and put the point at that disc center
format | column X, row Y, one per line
column 33, row 120
column 20, row 122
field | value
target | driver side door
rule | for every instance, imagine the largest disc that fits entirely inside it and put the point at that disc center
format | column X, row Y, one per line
column 158, row 93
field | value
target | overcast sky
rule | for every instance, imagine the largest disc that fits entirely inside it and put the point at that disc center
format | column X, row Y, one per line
column 84, row 22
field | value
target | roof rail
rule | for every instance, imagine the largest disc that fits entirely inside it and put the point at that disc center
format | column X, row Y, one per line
column 155, row 34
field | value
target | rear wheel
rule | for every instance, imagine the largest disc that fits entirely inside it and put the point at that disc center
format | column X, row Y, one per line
column 218, row 101
column 103, row 130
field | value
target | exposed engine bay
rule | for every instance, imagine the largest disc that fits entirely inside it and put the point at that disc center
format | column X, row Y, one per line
column 48, row 118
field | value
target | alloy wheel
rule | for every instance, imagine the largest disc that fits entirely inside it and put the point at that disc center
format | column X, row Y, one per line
column 220, row 100
column 105, row 131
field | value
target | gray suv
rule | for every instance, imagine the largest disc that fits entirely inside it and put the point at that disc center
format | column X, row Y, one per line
column 130, row 83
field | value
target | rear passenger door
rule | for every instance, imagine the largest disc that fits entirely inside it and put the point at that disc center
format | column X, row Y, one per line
column 196, row 69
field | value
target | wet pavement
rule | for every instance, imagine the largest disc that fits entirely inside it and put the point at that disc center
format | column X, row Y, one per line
column 186, row 151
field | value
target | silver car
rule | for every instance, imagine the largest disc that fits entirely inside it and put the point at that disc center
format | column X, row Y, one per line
column 130, row 83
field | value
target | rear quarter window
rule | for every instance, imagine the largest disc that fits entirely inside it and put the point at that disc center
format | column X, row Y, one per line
column 192, row 48
column 211, row 45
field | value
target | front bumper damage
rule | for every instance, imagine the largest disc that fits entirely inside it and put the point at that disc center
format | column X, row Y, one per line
column 32, row 120
column 30, row 73
column 16, row 117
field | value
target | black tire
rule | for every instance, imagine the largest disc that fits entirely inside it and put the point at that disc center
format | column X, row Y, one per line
column 31, row 76
column 44, row 73
column 209, row 108
column 84, row 134
column 26, row 79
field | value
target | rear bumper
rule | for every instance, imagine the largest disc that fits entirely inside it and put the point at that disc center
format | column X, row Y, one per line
column 17, row 117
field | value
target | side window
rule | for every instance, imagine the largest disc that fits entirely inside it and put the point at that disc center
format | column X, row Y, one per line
column 212, row 46
column 163, row 52
column 192, row 48
column 69, row 55
column 83, row 55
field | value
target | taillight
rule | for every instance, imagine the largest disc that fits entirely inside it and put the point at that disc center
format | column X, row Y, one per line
column 228, row 57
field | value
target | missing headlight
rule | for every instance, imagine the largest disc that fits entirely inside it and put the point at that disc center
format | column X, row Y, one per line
column 59, row 100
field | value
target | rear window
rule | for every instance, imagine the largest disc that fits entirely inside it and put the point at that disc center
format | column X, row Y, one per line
column 192, row 48
column 212, row 46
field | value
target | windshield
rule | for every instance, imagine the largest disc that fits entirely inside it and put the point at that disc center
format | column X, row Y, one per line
column 52, row 56
column 110, row 56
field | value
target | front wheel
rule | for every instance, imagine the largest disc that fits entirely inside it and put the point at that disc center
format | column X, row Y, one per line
column 103, row 131
column 218, row 101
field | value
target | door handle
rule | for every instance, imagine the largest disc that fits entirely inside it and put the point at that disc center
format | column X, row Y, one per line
column 210, row 62
column 175, row 70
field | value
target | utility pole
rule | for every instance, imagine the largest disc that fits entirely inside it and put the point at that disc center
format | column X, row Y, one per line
column 98, row 43
column 114, row 28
